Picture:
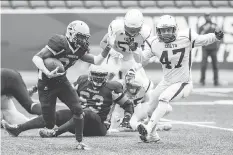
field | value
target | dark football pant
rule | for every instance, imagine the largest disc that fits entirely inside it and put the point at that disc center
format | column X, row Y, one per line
column 12, row 84
column 204, row 63
column 93, row 125
column 49, row 91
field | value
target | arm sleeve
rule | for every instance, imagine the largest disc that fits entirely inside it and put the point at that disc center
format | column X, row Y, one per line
column 202, row 40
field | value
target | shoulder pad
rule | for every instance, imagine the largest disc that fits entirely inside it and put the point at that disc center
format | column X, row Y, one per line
column 81, row 79
column 115, row 86
column 56, row 43
column 146, row 31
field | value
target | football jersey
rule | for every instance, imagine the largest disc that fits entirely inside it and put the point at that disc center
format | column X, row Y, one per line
column 119, row 40
column 63, row 51
column 98, row 100
column 175, row 57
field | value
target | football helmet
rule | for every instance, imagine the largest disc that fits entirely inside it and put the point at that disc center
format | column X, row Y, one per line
column 133, row 22
column 78, row 33
column 132, row 86
column 166, row 28
column 97, row 75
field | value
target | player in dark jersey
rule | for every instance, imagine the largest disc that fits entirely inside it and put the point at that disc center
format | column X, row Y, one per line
column 97, row 96
column 52, row 85
column 12, row 85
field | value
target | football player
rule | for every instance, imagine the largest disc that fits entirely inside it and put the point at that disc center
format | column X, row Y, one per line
column 97, row 96
column 173, row 50
column 126, row 36
column 68, row 48
column 12, row 85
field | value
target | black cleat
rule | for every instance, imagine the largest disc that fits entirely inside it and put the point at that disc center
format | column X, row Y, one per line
column 13, row 130
column 142, row 130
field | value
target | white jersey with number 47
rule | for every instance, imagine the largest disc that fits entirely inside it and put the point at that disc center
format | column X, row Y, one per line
column 119, row 40
column 175, row 57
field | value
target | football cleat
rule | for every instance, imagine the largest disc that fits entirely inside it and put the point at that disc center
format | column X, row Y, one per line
column 13, row 130
column 147, row 137
column 46, row 133
column 82, row 146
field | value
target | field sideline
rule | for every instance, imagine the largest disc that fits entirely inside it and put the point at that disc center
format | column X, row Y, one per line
column 202, row 124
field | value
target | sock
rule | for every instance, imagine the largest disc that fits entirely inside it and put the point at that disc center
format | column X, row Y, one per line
column 79, row 125
column 69, row 125
column 36, row 108
column 159, row 112
column 35, row 123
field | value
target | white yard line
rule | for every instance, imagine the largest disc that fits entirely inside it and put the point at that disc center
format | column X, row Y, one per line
column 218, row 102
column 200, row 125
column 178, row 122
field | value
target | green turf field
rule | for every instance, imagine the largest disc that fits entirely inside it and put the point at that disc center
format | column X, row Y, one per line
column 202, row 125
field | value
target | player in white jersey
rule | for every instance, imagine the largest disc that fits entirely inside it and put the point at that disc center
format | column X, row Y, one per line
column 126, row 36
column 173, row 50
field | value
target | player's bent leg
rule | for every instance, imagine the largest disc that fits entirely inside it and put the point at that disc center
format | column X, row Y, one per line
column 10, row 113
column 93, row 125
column 117, row 114
column 47, row 99
column 71, row 99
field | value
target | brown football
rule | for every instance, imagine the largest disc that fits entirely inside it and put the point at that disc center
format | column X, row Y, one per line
column 53, row 63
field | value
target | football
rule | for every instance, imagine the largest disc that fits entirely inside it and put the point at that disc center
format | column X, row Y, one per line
column 53, row 63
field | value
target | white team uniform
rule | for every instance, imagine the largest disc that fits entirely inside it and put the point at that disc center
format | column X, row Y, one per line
column 120, row 57
column 176, row 61
column 140, row 108
column 9, row 112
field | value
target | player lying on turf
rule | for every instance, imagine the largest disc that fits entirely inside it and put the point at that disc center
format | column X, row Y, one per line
column 12, row 85
column 135, row 91
column 97, row 96
column 126, row 36
column 52, row 84
column 173, row 49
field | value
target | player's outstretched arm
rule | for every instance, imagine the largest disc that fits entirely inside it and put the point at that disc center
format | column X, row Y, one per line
column 206, row 39
column 97, row 60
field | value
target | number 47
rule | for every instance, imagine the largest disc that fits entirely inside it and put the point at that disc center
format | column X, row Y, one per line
column 164, row 58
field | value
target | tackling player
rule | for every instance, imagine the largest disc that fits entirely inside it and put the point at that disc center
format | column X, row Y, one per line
column 126, row 36
column 97, row 96
column 12, row 85
column 68, row 48
column 173, row 50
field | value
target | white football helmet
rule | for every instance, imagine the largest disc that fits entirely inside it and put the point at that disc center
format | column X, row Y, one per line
column 165, row 23
column 97, row 75
column 133, row 22
column 78, row 33
column 132, row 86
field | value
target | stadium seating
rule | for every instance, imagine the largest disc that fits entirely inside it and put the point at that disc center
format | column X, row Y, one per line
column 147, row 4
column 86, row 4
column 129, row 4
column 74, row 4
column 38, row 4
column 200, row 4
column 92, row 4
column 5, row 5
column 111, row 4
column 165, row 4
column 220, row 4
column 56, row 4
column 19, row 4
column 181, row 4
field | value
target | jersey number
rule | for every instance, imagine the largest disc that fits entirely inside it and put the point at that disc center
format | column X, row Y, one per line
column 164, row 58
column 122, row 45
column 99, row 100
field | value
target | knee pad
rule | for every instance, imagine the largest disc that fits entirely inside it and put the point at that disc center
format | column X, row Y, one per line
column 77, row 110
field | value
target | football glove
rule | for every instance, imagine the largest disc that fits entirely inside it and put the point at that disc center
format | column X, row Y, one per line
column 219, row 34
column 133, row 46
column 107, row 124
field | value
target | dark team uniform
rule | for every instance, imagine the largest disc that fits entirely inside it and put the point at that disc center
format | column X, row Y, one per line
column 99, row 102
column 50, row 89
column 12, row 84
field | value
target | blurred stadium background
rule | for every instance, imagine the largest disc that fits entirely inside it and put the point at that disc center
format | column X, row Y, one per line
column 26, row 27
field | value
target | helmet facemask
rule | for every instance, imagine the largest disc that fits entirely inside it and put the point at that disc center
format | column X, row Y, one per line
column 81, row 40
column 98, row 78
column 131, row 86
column 166, row 34
column 131, row 31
